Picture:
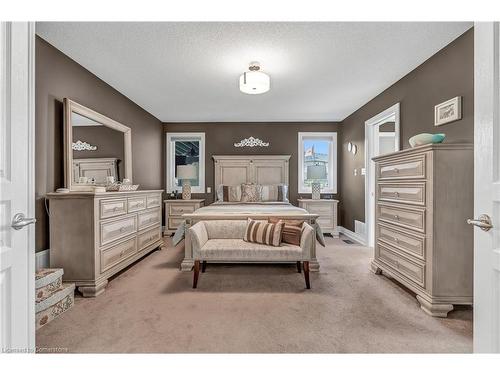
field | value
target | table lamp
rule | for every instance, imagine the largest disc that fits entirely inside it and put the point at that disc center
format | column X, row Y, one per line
column 186, row 173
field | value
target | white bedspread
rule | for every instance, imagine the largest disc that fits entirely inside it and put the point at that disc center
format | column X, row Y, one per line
column 264, row 208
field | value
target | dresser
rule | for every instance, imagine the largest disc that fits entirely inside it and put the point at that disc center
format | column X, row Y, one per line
column 327, row 211
column 424, row 196
column 175, row 208
column 95, row 235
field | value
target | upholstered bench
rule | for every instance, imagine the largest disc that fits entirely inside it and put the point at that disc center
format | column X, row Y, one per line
column 220, row 241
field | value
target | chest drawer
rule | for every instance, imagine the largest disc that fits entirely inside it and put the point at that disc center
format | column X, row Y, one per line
column 148, row 237
column 148, row 218
column 410, row 244
column 153, row 200
column 410, row 168
column 411, row 270
column 403, row 193
column 117, row 253
column 174, row 222
column 114, row 229
column 136, row 204
column 111, row 208
column 181, row 208
column 412, row 218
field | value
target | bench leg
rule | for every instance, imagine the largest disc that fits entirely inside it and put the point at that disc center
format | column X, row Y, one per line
column 306, row 274
column 196, row 273
column 299, row 267
column 203, row 266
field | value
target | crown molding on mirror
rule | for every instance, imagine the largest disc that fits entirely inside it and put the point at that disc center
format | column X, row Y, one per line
column 251, row 142
column 83, row 146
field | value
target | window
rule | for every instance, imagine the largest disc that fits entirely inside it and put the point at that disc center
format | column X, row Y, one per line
column 185, row 149
column 318, row 149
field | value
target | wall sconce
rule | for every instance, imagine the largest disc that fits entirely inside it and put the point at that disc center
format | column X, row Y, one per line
column 352, row 148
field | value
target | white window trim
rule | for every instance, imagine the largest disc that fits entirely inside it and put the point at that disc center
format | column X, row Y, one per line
column 332, row 162
column 170, row 160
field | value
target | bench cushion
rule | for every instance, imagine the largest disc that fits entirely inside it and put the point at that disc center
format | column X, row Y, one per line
column 237, row 249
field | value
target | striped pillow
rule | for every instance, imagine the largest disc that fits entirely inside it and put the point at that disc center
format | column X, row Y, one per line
column 275, row 193
column 292, row 231
column 264, row 233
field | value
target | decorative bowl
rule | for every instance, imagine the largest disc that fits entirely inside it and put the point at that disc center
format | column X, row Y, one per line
column 426, row 138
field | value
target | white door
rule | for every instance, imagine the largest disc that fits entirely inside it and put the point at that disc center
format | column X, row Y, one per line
column 17, row 256
column 486, row 188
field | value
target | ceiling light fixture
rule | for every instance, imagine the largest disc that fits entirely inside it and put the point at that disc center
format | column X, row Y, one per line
column 254, row 81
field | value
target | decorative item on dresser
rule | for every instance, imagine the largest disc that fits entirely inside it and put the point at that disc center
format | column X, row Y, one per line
column 95, row 235
column 186, row 173
column 327, row 211
column 423, row 197
column 175, row 208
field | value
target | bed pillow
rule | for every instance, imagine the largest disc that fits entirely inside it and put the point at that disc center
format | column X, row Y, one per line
column 229, row 193
column 292, row 230
column 258, row 231
column 251, row 193
column 275, row 193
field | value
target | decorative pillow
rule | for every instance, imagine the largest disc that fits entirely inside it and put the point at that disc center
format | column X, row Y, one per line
column 264, row 233
column 251, row 193
column 228, row 193
column 275, row 193
column 292, row 230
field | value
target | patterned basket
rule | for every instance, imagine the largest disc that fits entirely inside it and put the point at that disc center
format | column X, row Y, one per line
column 121, row 187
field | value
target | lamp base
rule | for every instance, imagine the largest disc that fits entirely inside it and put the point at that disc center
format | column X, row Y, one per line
column 186, row 190
column 316, row 190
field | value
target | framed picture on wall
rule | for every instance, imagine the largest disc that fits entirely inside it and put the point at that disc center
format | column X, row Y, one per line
column 448, row 111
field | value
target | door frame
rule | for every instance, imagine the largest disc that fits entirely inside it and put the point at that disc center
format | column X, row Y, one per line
column 29, row 107
column 371, row 133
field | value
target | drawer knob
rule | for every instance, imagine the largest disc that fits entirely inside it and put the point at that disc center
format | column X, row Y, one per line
column 122, row 229
column 396, row 239
column 396, row 194
column 115, row 208
column 396, row 170
column 396, row 217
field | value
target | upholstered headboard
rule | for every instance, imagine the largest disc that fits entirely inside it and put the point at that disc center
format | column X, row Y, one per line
column 259, row 169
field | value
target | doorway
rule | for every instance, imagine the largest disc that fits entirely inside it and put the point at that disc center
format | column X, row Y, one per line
column 381, row 137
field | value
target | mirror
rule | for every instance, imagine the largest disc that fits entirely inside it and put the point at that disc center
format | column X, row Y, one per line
column 97, row 148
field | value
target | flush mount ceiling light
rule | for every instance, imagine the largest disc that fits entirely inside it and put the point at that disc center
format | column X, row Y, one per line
column 254, row 81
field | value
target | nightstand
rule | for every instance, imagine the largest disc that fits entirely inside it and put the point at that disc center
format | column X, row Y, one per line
column 175, row 208
column 327, row 211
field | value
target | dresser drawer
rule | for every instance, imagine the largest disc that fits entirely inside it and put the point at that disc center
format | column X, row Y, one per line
column 412, row 218
column 148, row 218
column 181, row 208
column 174, row 222
column 153, row 200
column 148, row 237
column 411, row 270
column 136, row 204
column 410, row 168
column 411, row 244
column 111, row 208
column 404, row 193
column 112, row 230
column 115, row 254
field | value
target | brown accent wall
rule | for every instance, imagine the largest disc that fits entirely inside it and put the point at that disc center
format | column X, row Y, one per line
column 282, row 138
column 447, row 74
column 57, row 77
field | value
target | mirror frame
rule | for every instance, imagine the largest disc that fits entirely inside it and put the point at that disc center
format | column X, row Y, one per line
column 72, row 106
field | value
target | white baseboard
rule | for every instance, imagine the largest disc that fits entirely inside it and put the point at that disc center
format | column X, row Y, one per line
column 353, row 236
column 42, row 259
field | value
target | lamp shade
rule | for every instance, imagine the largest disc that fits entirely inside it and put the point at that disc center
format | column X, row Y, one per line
column 316, row 172
column 187, row 172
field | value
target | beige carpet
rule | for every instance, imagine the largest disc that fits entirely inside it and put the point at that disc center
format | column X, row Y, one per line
column 150, row 307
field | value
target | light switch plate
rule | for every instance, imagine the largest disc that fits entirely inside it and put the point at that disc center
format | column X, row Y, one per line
column 355, row 171
column 209, row 189
column 363, row 171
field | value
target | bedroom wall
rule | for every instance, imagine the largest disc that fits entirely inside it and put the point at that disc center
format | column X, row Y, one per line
column 447, row 74
column 57, row 77
column 282, row 138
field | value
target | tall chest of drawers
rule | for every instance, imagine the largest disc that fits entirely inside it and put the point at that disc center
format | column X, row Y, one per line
column 424, row 196
column 95, row 235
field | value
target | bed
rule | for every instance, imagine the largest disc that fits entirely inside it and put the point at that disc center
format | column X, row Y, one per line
column 259, row 169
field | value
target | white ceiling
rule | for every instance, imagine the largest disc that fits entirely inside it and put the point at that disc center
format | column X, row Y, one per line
column 189, row 71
